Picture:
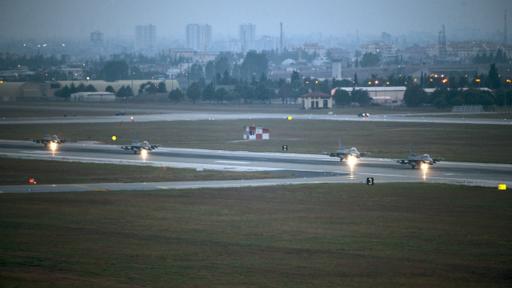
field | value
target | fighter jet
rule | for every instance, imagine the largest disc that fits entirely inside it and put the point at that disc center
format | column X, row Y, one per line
column 137, row 147
column 49, row 139
column 344, row 153
column 416, row 160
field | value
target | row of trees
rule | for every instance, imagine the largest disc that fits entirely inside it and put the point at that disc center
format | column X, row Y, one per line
column 66, row 91
column 416, row 96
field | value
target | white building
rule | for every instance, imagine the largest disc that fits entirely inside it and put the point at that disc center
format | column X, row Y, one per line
column 336, row 71
column 93, row 97
column 247, row 37
column 199, row 36
column 316, row 100
column 145, row 37
column 390, row 96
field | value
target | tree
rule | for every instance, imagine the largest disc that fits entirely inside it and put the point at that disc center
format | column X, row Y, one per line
column 90, row 88
column 361, row 96
column 209, row 71
column 342, row 97
column 194, row 92
column 125, row 91
column 209, row 92
column 115, row 70
column 63, row 92
column 162, row 88
column 176, row 95
column 254, row 64
column 110, row 89
column 220, row 94
column 370, row 59
column 196, row 72
column 414, row 96
column 493, row 79
column 222, row 64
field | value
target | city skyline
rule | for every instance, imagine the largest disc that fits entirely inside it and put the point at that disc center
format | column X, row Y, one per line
column 335, row 18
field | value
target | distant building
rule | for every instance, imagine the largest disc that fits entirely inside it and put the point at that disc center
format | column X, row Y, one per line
column 93, row 97
column 389, row 96
column 145, row 37
column 336, row 70
column 96, row 37
column 247, row 37
column 316, row 100
column 199, row 36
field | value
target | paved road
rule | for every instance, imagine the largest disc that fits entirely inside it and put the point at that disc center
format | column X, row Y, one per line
column 383, row 170
column 195, row 116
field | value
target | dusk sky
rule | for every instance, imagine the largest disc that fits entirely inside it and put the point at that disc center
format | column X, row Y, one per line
column 73, row 18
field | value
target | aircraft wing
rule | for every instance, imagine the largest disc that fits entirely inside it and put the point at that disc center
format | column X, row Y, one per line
column 403, row 162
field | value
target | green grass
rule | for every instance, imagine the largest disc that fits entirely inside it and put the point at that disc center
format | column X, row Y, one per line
column 455, row 142
column 17, row 171
column 43, row 109
column 390, row 235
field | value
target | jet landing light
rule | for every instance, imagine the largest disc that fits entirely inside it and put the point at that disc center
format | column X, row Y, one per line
column 143, row 154
column 53, row 146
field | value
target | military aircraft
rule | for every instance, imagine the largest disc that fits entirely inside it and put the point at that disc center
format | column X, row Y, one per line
column 363, row 115
column 344, row 153
column 138, row 147
column 416, row 160
column 49, row 139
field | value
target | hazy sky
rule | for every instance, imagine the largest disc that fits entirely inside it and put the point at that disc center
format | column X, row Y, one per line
column 74, row 18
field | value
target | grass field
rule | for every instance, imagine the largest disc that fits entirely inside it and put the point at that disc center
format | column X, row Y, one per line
column 43, row 109
column 455, row 142
column 390, row 235
column 17, row 171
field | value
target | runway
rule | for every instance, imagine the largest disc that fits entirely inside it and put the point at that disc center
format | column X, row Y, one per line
column 197, row 116
column 311, row 166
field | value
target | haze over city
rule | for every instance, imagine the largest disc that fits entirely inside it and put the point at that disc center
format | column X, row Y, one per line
column 117, row 18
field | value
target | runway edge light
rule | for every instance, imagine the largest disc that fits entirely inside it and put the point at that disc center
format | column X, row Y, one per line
column 502, row 187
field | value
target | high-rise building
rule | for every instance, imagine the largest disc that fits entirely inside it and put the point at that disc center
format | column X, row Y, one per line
column 281, row 38
column 336, row 70
column 199, row 37
column 247, row 36
column 145, row 36
column 442, row 43
column 505, row 29
column 96, row 37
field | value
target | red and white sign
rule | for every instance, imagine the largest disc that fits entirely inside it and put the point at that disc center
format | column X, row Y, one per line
column 256, row 133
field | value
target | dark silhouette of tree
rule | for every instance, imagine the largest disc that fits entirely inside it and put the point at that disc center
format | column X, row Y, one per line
column 196, row 72
column 125, row 91
column 414, row 96
column 194, row 92
column 162, row 88
column 176, row 95
column 110, row 89
column 115, row 70
column 493, row 79
column 361, row 96
column 209, row 71
column 342, row 97
column 254, row 64
column 209, row 92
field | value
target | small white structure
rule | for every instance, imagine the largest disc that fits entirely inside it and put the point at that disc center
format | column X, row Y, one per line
column 93, row 97
column 316, row 100
column 256, row 133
